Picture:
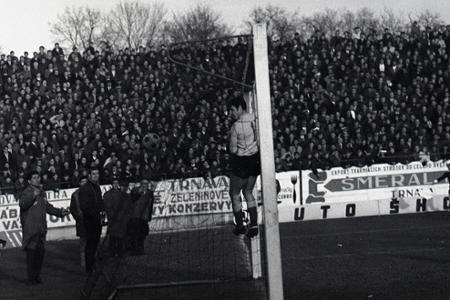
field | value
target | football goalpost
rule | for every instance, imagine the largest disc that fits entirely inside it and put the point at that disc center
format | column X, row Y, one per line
column 269, row 195
column 197, row 253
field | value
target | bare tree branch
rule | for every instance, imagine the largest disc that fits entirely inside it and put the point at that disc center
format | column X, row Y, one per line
column 133, row 24
column 77, row 26
column 429, row 19
column 389, row 19
column 199, row 23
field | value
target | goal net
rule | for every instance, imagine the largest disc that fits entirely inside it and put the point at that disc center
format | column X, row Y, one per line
column 191, row 251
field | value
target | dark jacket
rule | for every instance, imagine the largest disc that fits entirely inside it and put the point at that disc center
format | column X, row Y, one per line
column 33, row 210
column 142, row 204
column 91, row 202
column 7, row 158
column 118, row 209
column 75, row 210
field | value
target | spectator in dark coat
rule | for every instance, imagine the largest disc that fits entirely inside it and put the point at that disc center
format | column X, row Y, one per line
column 20, row 185
column 91, row 204
column 141, row 215
column 7, row 157
column 33, row 209
column 57, row 52
column 117, row 206
column 77, row 214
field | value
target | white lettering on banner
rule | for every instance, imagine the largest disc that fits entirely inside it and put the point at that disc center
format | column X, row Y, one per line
column 58, row 195
column 199, row 183
column 199, row 196
column 7, row 199
column 9, row 218
column 192, row 208
column 383, row 168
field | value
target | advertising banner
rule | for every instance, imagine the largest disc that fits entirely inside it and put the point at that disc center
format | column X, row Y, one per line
column 192, row 196
column 290, row 188
column 377, row 182
column 334, row 210
column 306, row 195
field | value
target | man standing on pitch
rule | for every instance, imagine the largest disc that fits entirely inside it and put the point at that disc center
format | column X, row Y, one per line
column 33, row 209
column 141, row 215
column 75, row 210
column 117, row 204
column 91, row 204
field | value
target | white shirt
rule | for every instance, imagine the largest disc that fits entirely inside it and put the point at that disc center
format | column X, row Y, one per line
column 243, row 136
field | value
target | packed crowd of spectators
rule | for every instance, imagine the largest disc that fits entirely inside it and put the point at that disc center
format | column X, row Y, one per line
column 353, row 98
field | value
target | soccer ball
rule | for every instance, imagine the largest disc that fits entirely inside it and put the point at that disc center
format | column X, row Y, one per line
column 151, row 141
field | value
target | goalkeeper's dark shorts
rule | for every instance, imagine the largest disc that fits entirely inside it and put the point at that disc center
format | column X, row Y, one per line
column 245, row 166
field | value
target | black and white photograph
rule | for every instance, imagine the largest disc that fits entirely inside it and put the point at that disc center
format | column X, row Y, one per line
column 225, row 150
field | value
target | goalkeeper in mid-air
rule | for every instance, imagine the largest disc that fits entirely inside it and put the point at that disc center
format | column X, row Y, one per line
column 245, row 165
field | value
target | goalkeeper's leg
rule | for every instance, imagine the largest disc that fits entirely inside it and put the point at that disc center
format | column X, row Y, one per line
column 236, row 185
column 251, row 206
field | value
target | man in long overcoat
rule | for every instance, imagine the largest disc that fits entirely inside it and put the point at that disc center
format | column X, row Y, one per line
column 117, row 205
column 75, row 210
column 91, row 204
column 141, row 215
column 33, row 209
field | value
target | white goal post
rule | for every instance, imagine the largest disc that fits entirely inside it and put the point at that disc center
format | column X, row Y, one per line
column 268, row 187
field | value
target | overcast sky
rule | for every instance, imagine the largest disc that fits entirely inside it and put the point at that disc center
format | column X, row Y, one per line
column 24, row 23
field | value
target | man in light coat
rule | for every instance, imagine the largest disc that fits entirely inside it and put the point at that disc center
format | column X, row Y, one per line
column 33, row 209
